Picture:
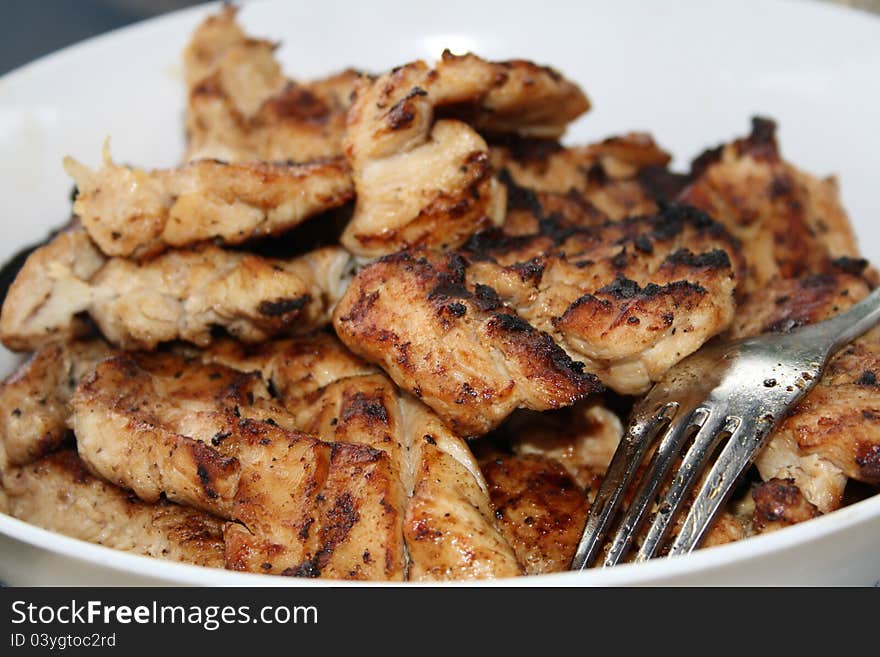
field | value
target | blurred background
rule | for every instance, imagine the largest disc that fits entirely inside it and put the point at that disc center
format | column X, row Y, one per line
column 33, row 28
column 36, row 28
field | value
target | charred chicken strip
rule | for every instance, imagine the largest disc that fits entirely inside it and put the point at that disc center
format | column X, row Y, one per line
column 178, row 295
column 34, row 400
column 540, row 507
column 134, row 213
column 613, row 179
column 58, row 493
column 628, row 299
column 833, row 434
column 448, row 528
column 478, row 334
column 241, row 108
column 789, row 222
column 210, row 437
column 449, row 518
column 454, row 345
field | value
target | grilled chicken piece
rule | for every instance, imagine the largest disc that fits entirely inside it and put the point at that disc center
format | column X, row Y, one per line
column 537, row 466
column 448, row 528
column 209, row 41
column 541, row 509
column 514, row 96
column 834, row 433
column 241, row 108
column 613, row 179
column 211, row 437
column 417, row 124
column 581, row 438
column 477, row 334
column 50, row 291
column 178, row 295
column 134, row 213
column 628, row 299
column 302, row 122
column 839, row 421
column 785, row 304
column 449, row 518
column 418, row 182
column 454, row 345
column 779, row 503
column 34, row 400
column 789, row 222
column 58, row 493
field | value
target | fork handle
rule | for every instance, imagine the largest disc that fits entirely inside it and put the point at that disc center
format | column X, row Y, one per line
column 846, row 327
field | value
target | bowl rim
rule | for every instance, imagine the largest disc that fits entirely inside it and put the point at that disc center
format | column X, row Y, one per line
column 700, row 561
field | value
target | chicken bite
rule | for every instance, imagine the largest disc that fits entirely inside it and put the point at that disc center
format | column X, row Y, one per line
column 212, row 438
column 130, row 212
column 35, row 399
column 422, row 172
column 454, row 345
column 540, row 507
column 627, row 299
column 241, row 107
column 613, row 179
column 58, row 493
column 789, row 222
column 448, row 527
column 180, row 295
column 535, row 321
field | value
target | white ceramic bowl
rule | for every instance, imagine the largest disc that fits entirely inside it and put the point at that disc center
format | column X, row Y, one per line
column 690, row 72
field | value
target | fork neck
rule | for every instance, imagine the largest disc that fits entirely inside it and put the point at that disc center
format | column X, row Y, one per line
column 846, row 327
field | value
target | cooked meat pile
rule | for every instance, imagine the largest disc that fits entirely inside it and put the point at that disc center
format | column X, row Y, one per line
column 435, row 392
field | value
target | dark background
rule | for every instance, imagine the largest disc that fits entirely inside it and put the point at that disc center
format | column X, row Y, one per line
column 32, row 28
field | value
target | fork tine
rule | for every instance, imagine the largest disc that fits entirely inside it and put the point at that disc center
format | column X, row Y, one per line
column 651, row 480
column 745, row 442
column 685, row 478
column 621, row 470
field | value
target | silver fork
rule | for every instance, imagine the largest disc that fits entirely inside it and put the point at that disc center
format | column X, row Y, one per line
column 736, row 391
